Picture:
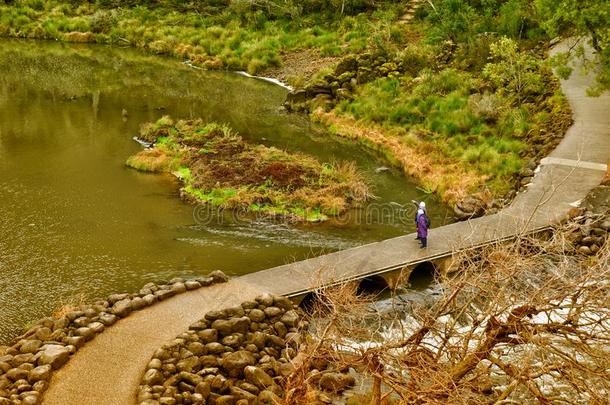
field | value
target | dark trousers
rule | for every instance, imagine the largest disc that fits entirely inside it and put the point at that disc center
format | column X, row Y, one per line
column 424, row 242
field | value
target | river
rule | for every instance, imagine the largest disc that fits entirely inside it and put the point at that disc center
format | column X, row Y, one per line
column 75, row 221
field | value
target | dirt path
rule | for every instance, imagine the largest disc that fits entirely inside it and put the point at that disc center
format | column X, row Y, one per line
column 107, row 370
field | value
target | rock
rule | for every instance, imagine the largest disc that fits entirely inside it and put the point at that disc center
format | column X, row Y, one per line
column 204, row 389
column 76, row 341
column 178, row 288
column 256, row 315
column 243, row 394
column 258, row 377
column 152, row 377
column 208, row 335
column 588, row 240
column 265, row 299
column 138, row 303
column 233, row 325
column 189, row 364
column 286, row 369
column 290, row 318
column 191, row 379
column 29, row 400
column 280, row 329
column 107, row 319
column 16, row 374
column 605, row 225
column 214, row 315
column 43, row 334
column 97, row 327
column 40, row 373
column 87, row 333
column 272, row 312
column 197, row 348
column 218, row 276
column 114, row 298
column 164, row 294
column 192, row 285
column 234, row 340
column 150, row 299
column 54, row 355
column 594, row 249
column 336, row 382
column 30, row 346
column 584, row 250
column 155, row 363
column 19, row 359
column 235, row 312
column 234, row 363
column 205, row 281
column 249, row 304
column 150, row 402
column 226, row 400
column 296, row 97
column 470, row 207
column 122, row 308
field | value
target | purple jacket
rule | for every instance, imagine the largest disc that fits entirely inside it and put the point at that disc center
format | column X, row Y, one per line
column 422, row 226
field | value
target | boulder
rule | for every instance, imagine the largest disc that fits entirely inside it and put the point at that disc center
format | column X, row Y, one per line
column 233, row 325
column 40, row 373
column 122, row 308
column 234, row 363
column 152, row 377
column 30, row 346
column 208, row 336
column 107, row 319
column 54, row 355
column 192, row 285
column 218, row 276
column 258, row 377
column 290, row 318
column 16, row 374
column 256, row 315
column 470, row 207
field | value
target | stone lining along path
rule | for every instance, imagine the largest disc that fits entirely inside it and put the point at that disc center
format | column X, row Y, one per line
column 108, row 369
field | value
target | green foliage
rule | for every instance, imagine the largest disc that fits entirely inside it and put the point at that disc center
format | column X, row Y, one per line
column 588, row 18
column 517, row 74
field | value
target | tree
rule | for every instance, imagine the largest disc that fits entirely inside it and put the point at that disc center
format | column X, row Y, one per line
column 586, row 18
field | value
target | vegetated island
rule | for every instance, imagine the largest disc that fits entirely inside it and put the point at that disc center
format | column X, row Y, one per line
column 217, row 167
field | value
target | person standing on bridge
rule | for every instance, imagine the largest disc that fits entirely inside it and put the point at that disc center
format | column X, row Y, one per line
column 423, row 223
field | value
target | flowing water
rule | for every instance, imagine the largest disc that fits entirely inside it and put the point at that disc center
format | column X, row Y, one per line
column 74, row 220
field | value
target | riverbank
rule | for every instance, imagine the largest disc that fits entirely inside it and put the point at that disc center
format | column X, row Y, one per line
column 469, row 113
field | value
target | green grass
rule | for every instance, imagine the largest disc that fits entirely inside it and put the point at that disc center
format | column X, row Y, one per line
column 224, row 38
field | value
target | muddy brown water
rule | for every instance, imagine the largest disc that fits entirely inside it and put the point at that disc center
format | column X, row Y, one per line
column 74, row 220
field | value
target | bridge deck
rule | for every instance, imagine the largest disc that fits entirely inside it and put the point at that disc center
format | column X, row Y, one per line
column 575, row 167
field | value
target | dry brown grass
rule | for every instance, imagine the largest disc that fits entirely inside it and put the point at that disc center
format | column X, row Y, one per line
column 150, row 160
column 448, row 178
column 516, row 323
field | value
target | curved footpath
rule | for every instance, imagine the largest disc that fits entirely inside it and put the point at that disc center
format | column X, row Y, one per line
column 107, row 370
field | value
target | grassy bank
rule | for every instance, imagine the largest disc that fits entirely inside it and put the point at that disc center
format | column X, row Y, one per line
column 238, row 35
column 217, row 167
